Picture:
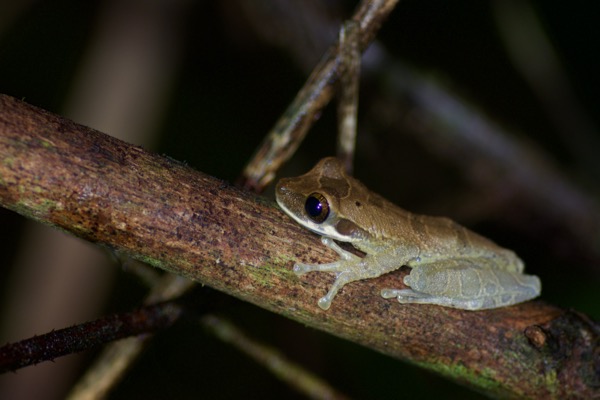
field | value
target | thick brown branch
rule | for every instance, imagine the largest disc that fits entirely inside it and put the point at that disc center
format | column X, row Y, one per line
column 165, row 213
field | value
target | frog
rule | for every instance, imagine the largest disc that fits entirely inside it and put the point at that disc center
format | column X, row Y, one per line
column 450, row 265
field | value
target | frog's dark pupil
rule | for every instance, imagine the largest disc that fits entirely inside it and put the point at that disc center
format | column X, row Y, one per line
column 313, row 206
column 316, row 207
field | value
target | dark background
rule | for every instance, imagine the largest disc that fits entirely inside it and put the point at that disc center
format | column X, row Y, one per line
column 229, row 88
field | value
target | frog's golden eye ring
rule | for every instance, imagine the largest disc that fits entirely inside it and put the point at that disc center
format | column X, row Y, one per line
column 317, row 207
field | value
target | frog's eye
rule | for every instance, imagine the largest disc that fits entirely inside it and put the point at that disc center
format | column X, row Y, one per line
column 317, row 207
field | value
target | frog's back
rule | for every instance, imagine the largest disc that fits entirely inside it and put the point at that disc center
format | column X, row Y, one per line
column 432, row 235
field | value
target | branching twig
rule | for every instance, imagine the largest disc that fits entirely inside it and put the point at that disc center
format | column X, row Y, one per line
column 290, row 129
column 165, row 213
column 506, row 172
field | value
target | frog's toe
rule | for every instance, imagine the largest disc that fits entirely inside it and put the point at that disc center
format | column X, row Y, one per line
column 389, row 293
column 301, row 269
column 403, row 295
column 325, row 302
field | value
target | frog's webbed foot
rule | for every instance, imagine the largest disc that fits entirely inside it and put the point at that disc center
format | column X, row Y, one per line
column 342, row 267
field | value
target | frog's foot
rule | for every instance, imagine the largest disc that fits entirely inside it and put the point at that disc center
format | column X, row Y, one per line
column 345, row 270
column 342, row 279
column 344, row 275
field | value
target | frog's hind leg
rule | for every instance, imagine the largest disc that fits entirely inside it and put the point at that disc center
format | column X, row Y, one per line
column 464, row 285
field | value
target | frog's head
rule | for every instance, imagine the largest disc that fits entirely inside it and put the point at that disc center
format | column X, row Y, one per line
column 322, row 201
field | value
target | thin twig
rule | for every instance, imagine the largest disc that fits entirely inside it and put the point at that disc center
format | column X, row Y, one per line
column 85, row 336
column 294, row 375
column 348, row 94
column 115, row 360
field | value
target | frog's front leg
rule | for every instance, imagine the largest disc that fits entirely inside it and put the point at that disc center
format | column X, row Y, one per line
column 465, row 285
column 336, row 266
column 348, row 269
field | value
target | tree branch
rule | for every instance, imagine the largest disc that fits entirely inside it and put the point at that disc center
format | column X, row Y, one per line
column 162, row 212
column 87, row 335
